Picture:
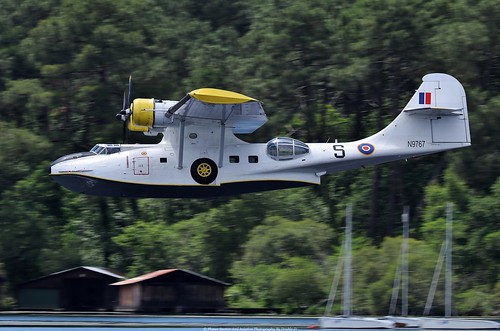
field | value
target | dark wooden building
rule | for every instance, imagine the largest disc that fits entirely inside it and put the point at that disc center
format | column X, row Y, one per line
column 174, row 290
column 80, row 288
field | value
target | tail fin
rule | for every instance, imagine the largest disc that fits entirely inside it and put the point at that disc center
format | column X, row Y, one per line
column 435, row 119
column 442, row 97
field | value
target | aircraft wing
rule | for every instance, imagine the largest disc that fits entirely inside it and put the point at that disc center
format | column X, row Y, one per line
column 207, row 105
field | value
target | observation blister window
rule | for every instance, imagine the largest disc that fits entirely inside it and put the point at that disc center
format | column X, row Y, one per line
column 284, row 148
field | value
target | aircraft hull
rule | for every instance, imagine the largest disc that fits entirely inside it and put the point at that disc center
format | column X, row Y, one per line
column 103, row 187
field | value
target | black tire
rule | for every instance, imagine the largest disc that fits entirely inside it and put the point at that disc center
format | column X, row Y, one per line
column 204, row 171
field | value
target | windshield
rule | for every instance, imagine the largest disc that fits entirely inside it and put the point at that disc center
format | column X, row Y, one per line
column 105, row 149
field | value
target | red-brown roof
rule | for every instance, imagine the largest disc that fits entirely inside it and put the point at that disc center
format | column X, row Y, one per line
column 144, row 277
column 158, row 273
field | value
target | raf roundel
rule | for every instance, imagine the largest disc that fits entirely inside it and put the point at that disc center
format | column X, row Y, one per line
column 366, row 149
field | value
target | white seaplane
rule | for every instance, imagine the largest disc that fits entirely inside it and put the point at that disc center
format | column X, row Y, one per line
column 200, row 156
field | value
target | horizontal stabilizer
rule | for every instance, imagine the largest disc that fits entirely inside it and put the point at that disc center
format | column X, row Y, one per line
column 435, row 111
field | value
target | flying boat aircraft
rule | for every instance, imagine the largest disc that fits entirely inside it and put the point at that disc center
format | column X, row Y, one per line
column 200, row 155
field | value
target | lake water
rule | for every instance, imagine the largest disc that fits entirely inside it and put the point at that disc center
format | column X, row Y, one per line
column 66, row 322
column 115, row 322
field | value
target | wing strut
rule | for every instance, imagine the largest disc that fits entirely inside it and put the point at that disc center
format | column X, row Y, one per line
column 178, row 105
column 182, row 124
column 222, row 136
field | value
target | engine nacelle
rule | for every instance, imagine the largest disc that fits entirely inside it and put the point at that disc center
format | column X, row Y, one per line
column 148, row 114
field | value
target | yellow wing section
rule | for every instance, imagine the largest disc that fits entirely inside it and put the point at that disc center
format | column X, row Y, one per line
column 216, row 96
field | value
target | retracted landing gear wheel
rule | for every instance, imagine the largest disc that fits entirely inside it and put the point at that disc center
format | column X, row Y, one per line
column 204, row 171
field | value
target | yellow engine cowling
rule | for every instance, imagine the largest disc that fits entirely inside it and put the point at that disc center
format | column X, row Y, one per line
column 142, row 117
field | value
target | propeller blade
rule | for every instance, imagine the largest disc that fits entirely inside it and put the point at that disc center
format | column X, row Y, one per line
column 129, row 90
column 124, row 101
column 124, row 133
column 126, row 112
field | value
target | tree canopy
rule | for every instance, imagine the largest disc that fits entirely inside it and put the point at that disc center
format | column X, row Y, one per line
column 324, row 70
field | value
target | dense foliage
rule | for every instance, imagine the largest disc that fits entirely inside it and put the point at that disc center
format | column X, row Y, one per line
column 325, row 70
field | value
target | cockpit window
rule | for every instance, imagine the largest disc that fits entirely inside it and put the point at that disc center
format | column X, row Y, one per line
column 103, row 149
column 284, row 148
column 98, row 149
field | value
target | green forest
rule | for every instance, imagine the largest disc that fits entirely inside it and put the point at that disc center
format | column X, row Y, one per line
column 325, row 70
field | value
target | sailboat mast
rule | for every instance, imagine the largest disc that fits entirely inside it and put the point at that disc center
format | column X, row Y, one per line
column 448, row 285
column 335, row 283
column 348, row 262
column 404, row 262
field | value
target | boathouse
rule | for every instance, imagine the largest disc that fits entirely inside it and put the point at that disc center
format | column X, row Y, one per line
column 172, row 290
column 80, row 288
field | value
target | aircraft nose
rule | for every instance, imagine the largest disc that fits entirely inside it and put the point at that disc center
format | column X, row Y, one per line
column 71, row 157
column 55, row 168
